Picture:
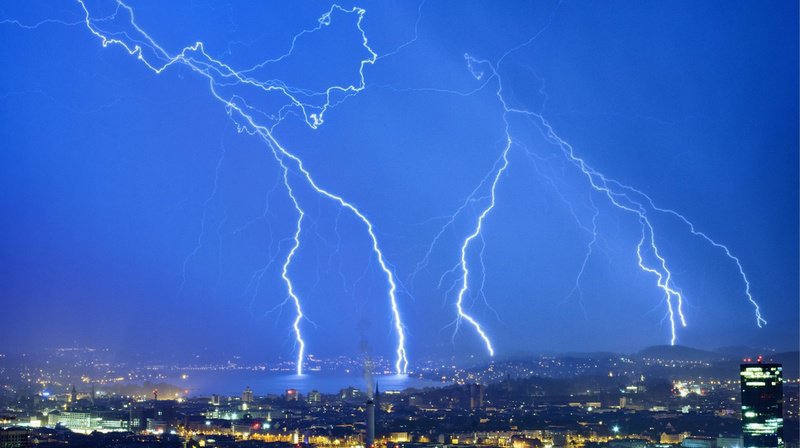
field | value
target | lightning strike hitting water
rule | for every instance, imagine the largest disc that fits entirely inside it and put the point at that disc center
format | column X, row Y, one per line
column 301, row 344
column 311, row 107
column 220, row 76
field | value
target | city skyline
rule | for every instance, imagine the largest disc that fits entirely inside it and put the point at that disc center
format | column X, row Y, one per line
column 660, row 397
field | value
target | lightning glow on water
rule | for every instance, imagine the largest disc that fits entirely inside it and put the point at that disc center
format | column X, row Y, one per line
column 220, row 76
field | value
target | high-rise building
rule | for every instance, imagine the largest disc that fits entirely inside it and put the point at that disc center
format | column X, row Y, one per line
column 216, row 400
column 247, row 398
column 314, row 397
column 350, row 393
column 476, row 392
column 762, row 405
column 247, row 395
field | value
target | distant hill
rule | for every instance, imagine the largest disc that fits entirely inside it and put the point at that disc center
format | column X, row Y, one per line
column 589, row 355
column 741, row 351
column 725, row 360
column 678, row 353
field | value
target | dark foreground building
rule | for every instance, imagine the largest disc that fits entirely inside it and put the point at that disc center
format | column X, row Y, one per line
column 762, row 405
column 15, row 438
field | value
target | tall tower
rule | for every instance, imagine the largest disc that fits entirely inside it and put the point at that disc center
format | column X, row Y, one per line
column 369, row 441
column 762, row 405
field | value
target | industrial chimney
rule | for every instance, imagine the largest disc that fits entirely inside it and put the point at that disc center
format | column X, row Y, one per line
column 370, row 439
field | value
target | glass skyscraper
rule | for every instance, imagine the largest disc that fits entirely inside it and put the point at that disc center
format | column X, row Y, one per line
column 762, row 405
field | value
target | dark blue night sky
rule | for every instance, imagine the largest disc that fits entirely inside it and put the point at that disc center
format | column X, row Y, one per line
column 138, row 216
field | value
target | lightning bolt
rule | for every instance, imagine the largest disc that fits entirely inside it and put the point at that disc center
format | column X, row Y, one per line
column 576, row 288
column 199, row 243
column 36, row 25
column 601, row 184
column 649, row 256
column 468, row 240
column 760, row 321
column 301, row 344
column 220, row 75
column 462, row 314
column 473, row 65
column 620, row 196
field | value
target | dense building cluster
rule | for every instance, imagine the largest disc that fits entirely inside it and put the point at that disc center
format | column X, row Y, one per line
column 610, row 402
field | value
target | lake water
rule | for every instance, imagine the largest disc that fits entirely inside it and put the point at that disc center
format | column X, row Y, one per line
column 233, row 382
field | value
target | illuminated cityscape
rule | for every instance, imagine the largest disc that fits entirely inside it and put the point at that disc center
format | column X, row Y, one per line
column 662, row 396
column 402, row 224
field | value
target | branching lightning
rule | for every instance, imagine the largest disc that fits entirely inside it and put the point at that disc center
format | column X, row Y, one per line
column 462, row 314
column 220, row 75
column 622, row 197
column 311, row 107
column 591, row 231
column 199, row 243
column 616, row 194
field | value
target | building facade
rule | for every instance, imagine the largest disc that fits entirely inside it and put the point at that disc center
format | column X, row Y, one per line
column 762, row 405
column 15, row 438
